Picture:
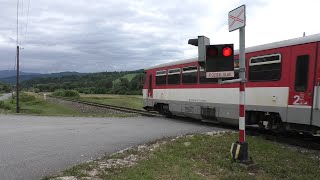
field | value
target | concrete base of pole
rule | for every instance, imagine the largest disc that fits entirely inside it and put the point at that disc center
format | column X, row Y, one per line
column 239, row 152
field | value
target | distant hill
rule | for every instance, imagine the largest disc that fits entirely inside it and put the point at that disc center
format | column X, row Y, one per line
column 9, row 76
column 11, row 73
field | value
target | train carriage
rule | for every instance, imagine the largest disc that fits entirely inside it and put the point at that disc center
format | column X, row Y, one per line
column 282, row 89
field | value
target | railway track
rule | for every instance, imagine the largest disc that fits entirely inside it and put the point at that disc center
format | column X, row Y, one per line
column 288, row 138
column 118, row 108
column 296, row 139
column 307, row 141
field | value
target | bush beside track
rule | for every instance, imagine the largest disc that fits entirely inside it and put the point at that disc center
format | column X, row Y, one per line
column 66, row 93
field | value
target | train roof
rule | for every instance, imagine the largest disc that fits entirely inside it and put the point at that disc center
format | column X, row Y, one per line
column 273, row 45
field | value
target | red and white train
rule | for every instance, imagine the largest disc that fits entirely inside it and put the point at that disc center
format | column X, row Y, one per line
column 282, row 89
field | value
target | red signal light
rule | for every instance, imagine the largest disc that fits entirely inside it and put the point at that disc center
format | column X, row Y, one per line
column 212, row 51
column 226, row 51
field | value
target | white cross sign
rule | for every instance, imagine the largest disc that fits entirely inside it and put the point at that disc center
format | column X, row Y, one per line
column 237, row 18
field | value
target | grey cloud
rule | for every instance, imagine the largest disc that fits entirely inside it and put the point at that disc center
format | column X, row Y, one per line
column 98, row 35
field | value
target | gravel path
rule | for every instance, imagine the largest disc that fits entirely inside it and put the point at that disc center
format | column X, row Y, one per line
column 35, row 146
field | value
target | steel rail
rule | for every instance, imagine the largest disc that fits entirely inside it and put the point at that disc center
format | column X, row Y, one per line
column 117, row 108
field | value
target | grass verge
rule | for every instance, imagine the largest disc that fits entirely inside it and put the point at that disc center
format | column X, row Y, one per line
column 35, row 105
column 201, row 157
column 130, row 101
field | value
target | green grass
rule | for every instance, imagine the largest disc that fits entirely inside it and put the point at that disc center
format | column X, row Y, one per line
column 130, row 101
column 127, row 76
column 208, row 157
column 33, row 104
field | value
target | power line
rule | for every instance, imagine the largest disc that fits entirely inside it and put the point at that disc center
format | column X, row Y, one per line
column 21, row 20
column 17, row 22
column 26, row 30
column 15, row 62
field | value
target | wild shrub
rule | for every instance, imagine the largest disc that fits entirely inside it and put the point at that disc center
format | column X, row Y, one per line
column 71, row 93
column 26, row 98
column 5, row 106
column 66, row 93
column 59, row 92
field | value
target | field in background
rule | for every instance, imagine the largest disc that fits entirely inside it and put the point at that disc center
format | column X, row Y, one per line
column 130, row 101
column 34, row 104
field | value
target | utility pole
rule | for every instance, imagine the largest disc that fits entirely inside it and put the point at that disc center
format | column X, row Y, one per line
column 17, row 83
column 17, row 80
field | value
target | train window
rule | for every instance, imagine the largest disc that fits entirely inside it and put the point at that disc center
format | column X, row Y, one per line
column 302, row 69
column 161, row 77
column 190, row 75
column 265, row 68
column 150, row 82
column 174, row 76
column 145, row 79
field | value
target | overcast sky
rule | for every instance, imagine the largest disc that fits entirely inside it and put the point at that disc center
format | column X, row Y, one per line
column 114, row 35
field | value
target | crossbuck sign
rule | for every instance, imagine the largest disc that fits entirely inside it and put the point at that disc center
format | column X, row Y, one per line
column 237, row 18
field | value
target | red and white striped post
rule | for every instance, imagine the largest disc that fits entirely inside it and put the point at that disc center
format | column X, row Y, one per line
column 237, row 20
column 242, row 113
column 242, row 88
column 241, row 152
column 239, row 149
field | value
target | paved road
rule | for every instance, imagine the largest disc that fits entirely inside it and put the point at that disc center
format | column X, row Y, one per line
column 5, row 96
column 34, row 146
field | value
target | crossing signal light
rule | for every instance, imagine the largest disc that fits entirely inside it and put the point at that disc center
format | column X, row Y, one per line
column 220, row 58
column 212, row 51
column 227, row 51
column 219, row 50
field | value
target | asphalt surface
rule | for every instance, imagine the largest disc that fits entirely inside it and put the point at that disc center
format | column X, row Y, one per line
column 36, row 146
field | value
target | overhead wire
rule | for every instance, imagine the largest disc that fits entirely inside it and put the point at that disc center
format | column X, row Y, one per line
column 17, row 23
column 21, row 20
column 26, row 28
column 17, row 38
column 22, row 24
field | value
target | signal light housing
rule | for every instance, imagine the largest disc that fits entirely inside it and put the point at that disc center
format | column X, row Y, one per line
column 201, row 42
column 220, row 58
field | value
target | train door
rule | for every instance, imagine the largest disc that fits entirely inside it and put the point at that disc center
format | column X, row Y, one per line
column 316, row 94
column 150, row 90
column 301, row 85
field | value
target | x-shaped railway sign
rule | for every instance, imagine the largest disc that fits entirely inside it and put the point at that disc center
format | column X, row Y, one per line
column 236, row 18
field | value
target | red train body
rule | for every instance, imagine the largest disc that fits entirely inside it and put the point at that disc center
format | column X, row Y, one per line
column 282, row 89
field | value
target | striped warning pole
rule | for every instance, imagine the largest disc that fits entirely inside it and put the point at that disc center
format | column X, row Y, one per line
column 239, row 149
column 242, row 113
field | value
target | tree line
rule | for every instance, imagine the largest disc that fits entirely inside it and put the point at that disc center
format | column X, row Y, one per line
column 5, row 88
column 94, row 83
